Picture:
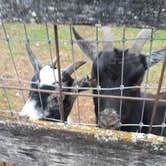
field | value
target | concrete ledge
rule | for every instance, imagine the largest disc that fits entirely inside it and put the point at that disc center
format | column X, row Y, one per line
column 24, row 142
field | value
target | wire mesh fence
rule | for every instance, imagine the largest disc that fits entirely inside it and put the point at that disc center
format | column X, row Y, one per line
column 70, row 95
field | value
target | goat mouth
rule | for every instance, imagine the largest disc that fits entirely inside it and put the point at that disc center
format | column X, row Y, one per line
column 109, row 119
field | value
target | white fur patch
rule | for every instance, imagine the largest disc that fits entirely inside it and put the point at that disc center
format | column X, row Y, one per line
column 69, row 120
column 47, row 76
column 30, row 110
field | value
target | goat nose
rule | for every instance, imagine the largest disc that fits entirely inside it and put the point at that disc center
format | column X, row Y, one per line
column 109, row 119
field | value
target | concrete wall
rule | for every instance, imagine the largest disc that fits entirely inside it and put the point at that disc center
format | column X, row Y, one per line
column 49, row 144
column 135, row 13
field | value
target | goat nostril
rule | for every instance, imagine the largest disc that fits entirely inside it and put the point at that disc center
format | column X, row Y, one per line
column 25, row 117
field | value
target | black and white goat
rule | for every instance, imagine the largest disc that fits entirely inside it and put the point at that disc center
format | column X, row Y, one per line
column 106, row 73
column 42, row 105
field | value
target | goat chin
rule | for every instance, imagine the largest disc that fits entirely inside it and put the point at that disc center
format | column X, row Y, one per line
column 30, row 112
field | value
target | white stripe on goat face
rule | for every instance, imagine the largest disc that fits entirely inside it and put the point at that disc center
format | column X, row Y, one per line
column 47, row 76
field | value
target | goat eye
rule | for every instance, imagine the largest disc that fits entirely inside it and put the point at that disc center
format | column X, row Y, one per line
column 93, row 81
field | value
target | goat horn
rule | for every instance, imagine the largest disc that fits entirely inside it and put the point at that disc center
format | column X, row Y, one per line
column 36, row 63
column 155, row 57
column 53, row 63
column 89, row 50
column 139, row 41
column 71, row 68
column 107, row 39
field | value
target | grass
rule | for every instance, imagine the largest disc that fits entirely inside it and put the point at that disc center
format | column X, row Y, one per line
column 38, row 36
column 39, row 44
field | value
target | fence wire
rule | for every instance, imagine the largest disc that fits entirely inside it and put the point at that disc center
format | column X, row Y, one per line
column 7, row 84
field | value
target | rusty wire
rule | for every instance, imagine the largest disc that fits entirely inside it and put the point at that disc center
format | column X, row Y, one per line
column 157, row 94
column 83, row 94
column 146, row 81
column 75, row 76
column 59, row 72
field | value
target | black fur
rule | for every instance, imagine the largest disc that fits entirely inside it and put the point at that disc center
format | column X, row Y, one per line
column 108, row 65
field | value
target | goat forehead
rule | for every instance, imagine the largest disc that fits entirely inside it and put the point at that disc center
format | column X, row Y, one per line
column 48, row 76
column 113, row 61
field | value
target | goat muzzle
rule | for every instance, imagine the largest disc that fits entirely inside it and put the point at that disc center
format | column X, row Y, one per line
column 109, row 119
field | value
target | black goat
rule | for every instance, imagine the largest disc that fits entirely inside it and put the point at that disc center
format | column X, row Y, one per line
column 107, row 71
column 47, row 105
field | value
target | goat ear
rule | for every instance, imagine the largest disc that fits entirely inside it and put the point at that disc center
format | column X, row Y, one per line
column 155, row 57
column 36, row 63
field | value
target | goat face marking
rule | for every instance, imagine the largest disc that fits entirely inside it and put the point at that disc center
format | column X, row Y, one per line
column 48, row 76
